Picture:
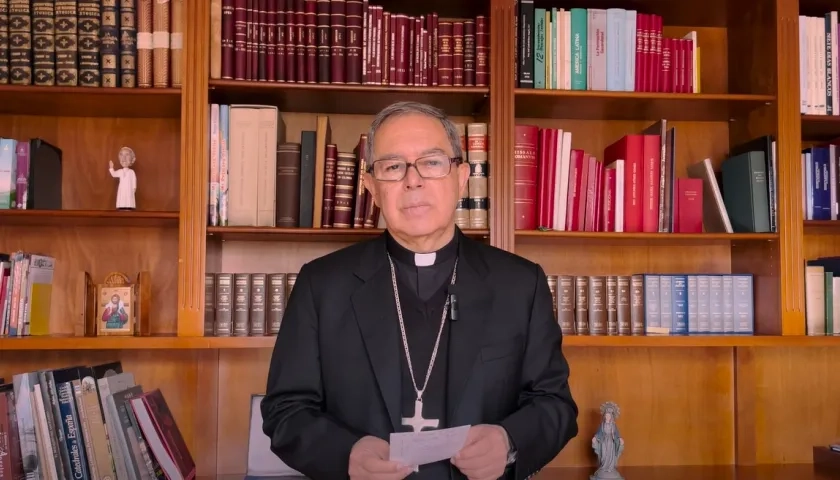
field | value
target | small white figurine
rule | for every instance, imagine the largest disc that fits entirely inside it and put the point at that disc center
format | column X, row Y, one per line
column 128, row 180
column 608, row 444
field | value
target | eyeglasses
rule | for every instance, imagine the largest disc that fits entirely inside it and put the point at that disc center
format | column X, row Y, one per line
column 394, row 170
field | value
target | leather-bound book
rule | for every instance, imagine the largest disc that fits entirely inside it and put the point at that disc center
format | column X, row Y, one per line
column 445, row 52
column 458, row 54
column 482, row 52
column 433, row 52
column 256, row 313
column 291, row 41
column 308, row 175
column 227, row 60
column 525, row 176
column 109, row 44
column 300, row 41
column 4, row 48
column 322, row 25
column 328, row 210
column 271, row 41
column 353, row 49
column 280, row 41
column 288, row 185
column 338, row 18
column 241, row 303
column 345, row 189
column 209, row 303
column 90, row 20
column 582, row 305
column 20, row 42
column 469, row 53
column 623, row 305
column 310, row 42
column 566, row 304
column 261, row 39
column 359, row 204
column 144, row 41
column 43, row 41
column 276, row 289
column 128, row 43
column 224, row 291
column 160, row 42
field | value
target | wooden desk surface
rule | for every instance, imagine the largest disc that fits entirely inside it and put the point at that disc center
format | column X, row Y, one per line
column 764, row 472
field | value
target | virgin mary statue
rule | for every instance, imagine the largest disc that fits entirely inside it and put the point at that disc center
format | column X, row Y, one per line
column 608, row 443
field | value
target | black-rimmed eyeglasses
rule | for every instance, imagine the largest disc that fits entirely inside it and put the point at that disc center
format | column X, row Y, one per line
column 431, row 166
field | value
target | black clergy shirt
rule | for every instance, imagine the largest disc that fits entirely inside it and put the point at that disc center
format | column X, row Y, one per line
column 423, row 291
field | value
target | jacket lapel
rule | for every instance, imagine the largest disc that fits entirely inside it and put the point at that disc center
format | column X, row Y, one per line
column 376, row 315
column 475, row 301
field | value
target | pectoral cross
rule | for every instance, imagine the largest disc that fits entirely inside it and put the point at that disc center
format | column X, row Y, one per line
column 417, row 422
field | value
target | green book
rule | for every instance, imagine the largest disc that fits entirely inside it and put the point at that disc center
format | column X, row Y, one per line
column 579, row 56
column 539, row 48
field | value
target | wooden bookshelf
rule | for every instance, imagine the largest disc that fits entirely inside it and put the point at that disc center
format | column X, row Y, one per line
column 739, row 399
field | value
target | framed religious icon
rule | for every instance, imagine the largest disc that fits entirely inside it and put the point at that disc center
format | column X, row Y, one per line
column 115, row 305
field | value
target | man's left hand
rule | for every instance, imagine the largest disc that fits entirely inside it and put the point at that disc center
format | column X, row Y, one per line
column 484, row 455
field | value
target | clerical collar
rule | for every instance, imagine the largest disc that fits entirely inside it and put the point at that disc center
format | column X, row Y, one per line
column 406, row 256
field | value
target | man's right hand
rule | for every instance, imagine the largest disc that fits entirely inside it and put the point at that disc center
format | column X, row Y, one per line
column 369, row 461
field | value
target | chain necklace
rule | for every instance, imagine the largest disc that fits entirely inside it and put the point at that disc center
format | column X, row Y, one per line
column 417, row 422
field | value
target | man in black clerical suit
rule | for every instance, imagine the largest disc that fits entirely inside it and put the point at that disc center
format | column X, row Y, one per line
column 419, row 328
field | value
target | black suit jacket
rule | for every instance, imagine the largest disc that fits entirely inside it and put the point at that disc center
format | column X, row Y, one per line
column 335, row 370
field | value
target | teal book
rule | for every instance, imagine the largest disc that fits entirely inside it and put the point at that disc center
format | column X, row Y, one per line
column 578, row 40
column 539, row 48
column 745, row 193
column 8, row 167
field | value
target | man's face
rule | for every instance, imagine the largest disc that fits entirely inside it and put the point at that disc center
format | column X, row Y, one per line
column 416, row 206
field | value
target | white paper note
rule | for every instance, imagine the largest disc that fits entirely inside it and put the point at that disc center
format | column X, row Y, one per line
column 420, row 448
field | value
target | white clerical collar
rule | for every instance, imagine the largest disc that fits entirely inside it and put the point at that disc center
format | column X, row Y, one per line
column 424, row 259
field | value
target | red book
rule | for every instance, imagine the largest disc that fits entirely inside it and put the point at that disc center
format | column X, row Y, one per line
column 689, row 207
column 650, row 185
column 576, row 195
column 608, row 200
column 526, row 138
column 630, row 148
column 545, row 174
column 163, row 436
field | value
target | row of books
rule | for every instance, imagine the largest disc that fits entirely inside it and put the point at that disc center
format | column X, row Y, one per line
column 315, row 185
column 88, row 422
column 92, row 43
column 818, row 76
column 26, row 283
column 559, row 187
column 822, row 296
column 611, row 49
column 245, row 304
column 820, row 181
column 345, row 42
column 30, row 174
column 654, row 304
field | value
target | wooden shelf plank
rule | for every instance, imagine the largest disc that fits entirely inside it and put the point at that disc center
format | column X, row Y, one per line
column 626, row 238
column 97, row 218
column 691, row 472
column 605, row 105
column 102, row 343
column 307, row 234
column 822, row 227
column 90, row 101
column 817, row 128
column 346, row 99
column 571, row 341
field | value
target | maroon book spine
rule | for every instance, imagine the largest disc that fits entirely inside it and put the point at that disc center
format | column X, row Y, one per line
column 427, row 38
column 262, row 40
column 310, row 20
column 291, row 40
column 240, row 39
column 366, row 20
column 434, row 51
column 228, row 62
column 271, row 41
column 376, row 34
column 392, row 53
column 323, row 27
column 383, row 53
column 469, row 53
column 345, row 188
column 482, row 49
column 280, row 26
column 337, row 44
column 458, row 54
column 410, row 49
column 328, row 202
column 253, row 39
column 445, row 54
column 353, row 50
column 402, row 44
column 300, row 41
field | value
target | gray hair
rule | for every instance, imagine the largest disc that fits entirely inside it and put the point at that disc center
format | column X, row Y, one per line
column 413, row 108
